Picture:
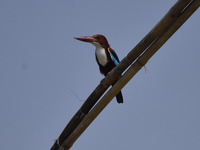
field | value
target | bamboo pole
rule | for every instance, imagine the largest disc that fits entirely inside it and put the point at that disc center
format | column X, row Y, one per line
column 165, row 22
column 139, row 63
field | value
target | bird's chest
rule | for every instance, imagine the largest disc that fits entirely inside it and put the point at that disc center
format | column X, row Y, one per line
column 101, row 56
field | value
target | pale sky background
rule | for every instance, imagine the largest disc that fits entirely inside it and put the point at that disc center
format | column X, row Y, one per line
column 41, row 64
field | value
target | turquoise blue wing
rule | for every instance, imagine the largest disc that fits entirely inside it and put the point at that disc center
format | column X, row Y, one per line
column 114, row 56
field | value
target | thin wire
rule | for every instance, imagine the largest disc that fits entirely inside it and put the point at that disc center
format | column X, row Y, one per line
column 77, row 97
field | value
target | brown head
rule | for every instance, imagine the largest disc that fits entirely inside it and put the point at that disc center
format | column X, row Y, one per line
column 97, row 40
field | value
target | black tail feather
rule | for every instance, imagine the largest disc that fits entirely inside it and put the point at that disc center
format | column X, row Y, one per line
column 119, row 97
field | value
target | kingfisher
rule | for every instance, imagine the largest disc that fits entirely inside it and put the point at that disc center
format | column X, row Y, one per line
column 106, row 57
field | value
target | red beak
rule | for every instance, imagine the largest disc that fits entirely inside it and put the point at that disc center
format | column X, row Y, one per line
column 85, row 38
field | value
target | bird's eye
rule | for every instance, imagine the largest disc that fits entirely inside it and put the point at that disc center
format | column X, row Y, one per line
column 97, row 37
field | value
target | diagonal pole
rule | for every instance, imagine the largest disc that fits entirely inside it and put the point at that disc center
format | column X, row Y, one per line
column 135, row 67
column 64, row 142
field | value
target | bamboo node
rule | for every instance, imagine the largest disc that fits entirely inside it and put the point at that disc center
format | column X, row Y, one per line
column 141, row 63
column 128, row 60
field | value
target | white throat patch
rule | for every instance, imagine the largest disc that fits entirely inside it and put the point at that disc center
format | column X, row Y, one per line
column 100, row 54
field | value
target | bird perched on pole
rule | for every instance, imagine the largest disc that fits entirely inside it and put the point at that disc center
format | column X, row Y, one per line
column 105, row 56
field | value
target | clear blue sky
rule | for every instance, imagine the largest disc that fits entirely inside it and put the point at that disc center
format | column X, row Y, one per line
column 41, row 64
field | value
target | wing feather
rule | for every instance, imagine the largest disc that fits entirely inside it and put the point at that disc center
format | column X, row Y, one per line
column 114, row 56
